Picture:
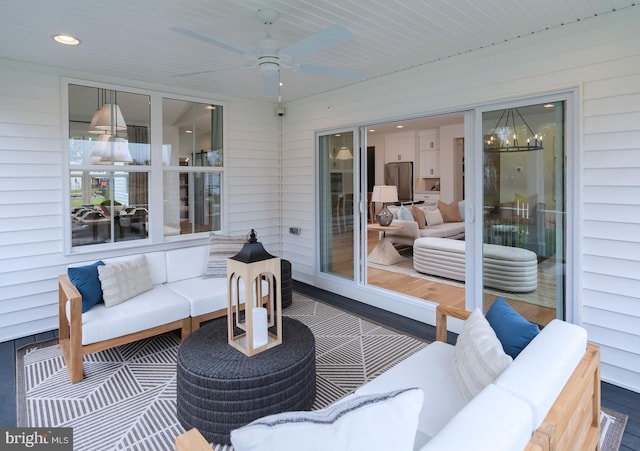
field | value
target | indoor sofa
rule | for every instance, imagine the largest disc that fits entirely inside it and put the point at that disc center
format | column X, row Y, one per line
column 547, row 398
column 451, row 226
column 178, row 296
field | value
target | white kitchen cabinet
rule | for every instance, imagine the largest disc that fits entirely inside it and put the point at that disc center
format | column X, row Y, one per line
column 399, row 147
column 429, row 154
column 428, row 198
column 430, row 163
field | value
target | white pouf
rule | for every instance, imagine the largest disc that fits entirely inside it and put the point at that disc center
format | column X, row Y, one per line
column 506, row 268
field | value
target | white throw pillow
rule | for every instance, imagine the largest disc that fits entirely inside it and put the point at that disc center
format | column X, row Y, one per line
column 373, row 422
column 434, row 217
column 404, row 214
column 124, row 279
column 478, row 358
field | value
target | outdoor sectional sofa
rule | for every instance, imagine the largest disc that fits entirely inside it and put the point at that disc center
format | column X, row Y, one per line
column 548, row 398
column 177, row 297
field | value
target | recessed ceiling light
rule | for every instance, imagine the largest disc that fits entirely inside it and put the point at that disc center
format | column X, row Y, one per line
column 549, row 105
column 66, row 39
column 282, row 83
column 371, row 130
column 188, row 131
column 210, row 107
column 399, row 126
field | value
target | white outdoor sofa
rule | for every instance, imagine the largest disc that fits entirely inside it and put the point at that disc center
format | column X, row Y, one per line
column 180, row 299
column 547, row 399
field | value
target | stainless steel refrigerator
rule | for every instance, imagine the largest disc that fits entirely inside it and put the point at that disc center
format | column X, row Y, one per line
column 400, row 175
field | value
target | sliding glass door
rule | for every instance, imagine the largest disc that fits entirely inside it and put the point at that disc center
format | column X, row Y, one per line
column 524, row 208
column 337, row 200
column 506, row 169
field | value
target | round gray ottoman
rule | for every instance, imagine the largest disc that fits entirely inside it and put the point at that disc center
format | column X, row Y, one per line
column 220, row 389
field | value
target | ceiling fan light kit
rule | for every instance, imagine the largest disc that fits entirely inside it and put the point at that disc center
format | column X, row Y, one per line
column 270, row 59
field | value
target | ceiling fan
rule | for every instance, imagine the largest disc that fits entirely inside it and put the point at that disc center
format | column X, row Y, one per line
column 270, row 59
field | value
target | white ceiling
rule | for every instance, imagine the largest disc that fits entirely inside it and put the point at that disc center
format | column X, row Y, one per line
column 133, row 40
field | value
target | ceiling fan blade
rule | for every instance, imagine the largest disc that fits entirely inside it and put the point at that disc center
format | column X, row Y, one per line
column 208, row 71
column 331, row 71
column 210, row 40
column 270, row 82
column 334, row 35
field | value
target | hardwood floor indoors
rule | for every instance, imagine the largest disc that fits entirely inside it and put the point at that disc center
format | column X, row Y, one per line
column 443, row 293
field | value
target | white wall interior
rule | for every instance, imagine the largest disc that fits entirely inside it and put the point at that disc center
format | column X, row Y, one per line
column 601, row 58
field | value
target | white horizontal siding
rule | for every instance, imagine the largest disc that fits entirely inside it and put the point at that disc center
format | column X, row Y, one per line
column 599, row 56
column 32, row 191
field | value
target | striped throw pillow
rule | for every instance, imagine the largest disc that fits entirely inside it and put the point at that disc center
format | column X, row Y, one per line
column 221, row 248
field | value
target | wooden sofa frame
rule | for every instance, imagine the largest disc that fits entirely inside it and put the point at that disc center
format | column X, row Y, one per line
column 70, row 335
column 573, row 422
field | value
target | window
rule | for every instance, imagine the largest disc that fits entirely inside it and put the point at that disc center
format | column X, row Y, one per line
column 192, row 162
column 110, row 167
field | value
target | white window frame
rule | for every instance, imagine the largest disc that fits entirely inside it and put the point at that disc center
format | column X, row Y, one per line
column 155, row 170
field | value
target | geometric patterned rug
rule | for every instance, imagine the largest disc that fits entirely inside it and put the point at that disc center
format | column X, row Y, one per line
column 127, row 399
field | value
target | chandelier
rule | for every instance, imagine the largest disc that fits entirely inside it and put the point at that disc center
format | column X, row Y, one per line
column 512, row 134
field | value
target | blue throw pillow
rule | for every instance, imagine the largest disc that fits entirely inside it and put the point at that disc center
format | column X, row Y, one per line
column 86, row 280
column 512, row 329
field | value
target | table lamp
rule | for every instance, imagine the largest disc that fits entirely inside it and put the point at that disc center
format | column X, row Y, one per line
column 384, row 194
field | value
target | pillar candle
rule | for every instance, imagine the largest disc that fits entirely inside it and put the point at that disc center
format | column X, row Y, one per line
column 260, row 329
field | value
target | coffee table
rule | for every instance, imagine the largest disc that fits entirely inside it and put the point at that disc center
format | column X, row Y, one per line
column 220, row 389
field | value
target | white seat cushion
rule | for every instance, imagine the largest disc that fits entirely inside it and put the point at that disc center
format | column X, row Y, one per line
column 207, row 295
column 444, row 230
column 153, row 308
column 493, row 421
column 204, row 295
column 432, row 370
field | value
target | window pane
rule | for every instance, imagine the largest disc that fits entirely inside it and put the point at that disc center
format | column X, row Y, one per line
column 108, row 127
column 108, row 206
column 192, row 133
column 191, row 202
column 192, row 138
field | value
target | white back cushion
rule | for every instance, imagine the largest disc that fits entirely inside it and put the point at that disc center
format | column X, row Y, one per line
column 186, row 263
column 544, row 366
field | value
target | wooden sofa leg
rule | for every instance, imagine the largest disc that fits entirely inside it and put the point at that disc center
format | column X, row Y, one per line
column 186, row 328
column 195, row 324
column 73, row 360
column 76, row 370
